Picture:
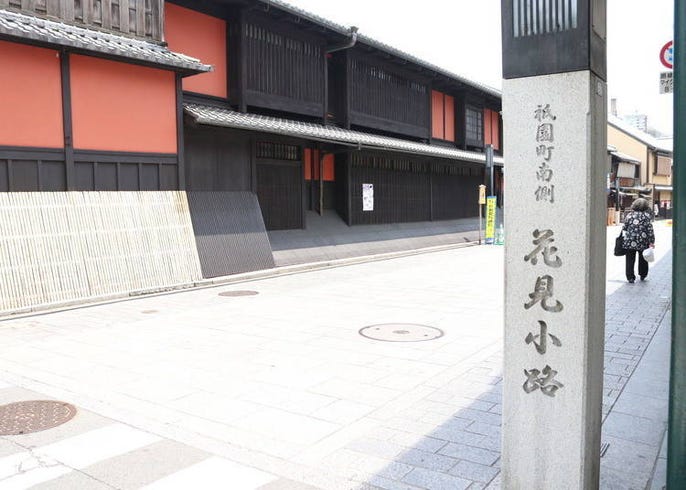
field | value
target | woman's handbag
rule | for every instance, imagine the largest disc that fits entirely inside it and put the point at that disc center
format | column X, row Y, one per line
column 619, row 245
column 649, row 255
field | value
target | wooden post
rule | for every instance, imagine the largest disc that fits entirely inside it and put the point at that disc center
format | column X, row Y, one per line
column 69, row 166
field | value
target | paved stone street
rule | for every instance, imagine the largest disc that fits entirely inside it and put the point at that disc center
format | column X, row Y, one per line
column 279, row 391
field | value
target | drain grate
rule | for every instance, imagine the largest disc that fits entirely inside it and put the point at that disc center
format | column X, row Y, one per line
column 33, row 416
column 401, row 332
column 233, row 294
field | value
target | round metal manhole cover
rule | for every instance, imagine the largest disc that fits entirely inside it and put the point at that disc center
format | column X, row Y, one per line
column 401, row 332
column 233, row 294
column 33, row 416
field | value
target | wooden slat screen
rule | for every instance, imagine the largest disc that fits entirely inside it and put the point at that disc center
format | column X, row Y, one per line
column 664, row 166
column 141, row 18
column 283, row 66
column 66, row 246
column 382, row 94
column 408, row 189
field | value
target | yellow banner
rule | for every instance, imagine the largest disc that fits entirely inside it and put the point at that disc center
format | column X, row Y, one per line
column 490, row 219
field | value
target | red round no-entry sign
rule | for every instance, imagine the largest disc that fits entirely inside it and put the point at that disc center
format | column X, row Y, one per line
column 667, row 55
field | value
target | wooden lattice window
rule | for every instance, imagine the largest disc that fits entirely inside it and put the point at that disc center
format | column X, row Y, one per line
column 474, row 126
column 278, row 151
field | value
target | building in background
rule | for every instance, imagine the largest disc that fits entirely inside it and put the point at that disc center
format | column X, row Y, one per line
column 638, row 121
column 238, row 118
column 641, row 166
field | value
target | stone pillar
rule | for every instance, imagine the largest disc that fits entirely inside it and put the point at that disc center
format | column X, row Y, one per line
column 555, row 130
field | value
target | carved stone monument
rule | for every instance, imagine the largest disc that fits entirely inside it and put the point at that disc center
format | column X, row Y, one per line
column 554, row 111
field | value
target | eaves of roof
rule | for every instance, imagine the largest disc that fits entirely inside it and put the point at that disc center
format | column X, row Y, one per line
column 27, row 28
column 340, row 29
column 223, row 117
column 639, row 135
column 625, row 158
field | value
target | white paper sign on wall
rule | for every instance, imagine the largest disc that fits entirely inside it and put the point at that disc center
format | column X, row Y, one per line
column 367, row 197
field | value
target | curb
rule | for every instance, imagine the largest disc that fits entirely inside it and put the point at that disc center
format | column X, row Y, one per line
column 220, row 281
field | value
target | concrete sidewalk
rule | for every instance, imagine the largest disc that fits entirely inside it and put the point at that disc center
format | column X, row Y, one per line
column 279, row 391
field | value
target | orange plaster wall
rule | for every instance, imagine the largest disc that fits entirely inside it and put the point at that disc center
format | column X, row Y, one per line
column 311, row 165
column 122, row 107
column 200, row 36
column 437, row 127
column 492, row 128
column 30, row 97
column 449, row 118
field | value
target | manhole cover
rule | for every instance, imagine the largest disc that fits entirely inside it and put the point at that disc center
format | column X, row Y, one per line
column 401, row 332
column 33, row 416
column 238, row 293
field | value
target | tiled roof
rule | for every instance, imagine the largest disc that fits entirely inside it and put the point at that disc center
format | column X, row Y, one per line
column 26, row 27
column 381, row 46
column 625, row 158
column 218, row 116
column 636, row 133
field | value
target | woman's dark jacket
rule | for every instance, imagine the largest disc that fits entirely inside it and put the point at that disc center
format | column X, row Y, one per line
column 638, row 230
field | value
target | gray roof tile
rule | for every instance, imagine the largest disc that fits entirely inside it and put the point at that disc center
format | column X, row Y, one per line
column 218, row 116
column 27, row 27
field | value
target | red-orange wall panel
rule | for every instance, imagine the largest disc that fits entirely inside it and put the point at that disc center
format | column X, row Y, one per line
column 328, row 167
column 311, row 165
column 200, row 36
column 487, row 127
column 492, row 128
column 449, row 118
column 495, row 129
column 30, row 97
column 437, row 115
column 122, row 107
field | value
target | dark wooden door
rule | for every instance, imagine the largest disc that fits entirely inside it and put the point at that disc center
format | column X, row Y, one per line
column 279, row 191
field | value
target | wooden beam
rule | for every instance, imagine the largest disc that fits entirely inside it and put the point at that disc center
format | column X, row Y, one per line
column 70, row 169
column 66, row 10
column 157, row 20
column 124, row 16
column 106, row 14
column 140, row 18
column 180, row 143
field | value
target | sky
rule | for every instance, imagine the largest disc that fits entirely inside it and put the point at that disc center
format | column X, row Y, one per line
column 463, row 36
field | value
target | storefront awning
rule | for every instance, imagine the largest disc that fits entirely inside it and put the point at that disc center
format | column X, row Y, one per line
column 219, row 116
column 625, row 158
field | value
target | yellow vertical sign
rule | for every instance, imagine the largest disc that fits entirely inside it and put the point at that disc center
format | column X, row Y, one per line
column 490, row 219
column 482, row 194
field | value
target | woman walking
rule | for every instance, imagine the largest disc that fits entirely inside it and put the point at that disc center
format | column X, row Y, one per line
column 638, row 236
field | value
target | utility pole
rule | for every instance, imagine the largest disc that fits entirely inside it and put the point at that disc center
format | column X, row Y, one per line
column 676, row 443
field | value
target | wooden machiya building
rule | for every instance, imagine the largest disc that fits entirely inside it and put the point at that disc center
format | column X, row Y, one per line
column 148, row 144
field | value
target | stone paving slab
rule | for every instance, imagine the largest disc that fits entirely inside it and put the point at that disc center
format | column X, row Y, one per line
column 282, row 383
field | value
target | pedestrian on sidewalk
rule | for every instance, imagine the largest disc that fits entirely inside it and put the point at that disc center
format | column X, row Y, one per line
column 638, row 236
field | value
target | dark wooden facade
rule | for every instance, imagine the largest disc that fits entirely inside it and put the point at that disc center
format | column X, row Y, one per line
column 412, row 188
column 282, row 65
column 141, row 18
column 36, row 169
column 384, row 98
column 274, row 67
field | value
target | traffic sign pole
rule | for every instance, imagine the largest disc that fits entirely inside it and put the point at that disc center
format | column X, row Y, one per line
column 676, row 443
